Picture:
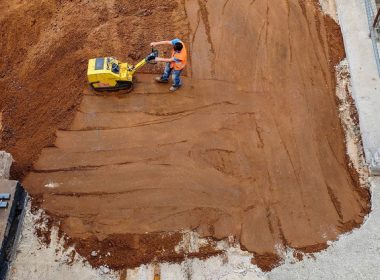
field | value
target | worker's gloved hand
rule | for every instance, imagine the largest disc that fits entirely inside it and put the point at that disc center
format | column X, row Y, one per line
column 150, row 57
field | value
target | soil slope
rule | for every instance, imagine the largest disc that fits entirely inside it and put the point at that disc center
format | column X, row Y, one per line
column 251, row 146
column 44, row 50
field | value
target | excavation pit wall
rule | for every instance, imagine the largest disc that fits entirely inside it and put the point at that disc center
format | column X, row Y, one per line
column 252, row 145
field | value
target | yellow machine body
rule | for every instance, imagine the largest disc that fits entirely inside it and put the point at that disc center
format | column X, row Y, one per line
column 108, row 74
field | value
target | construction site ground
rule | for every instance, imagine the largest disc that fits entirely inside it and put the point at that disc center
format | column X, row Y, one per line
column 248, row 160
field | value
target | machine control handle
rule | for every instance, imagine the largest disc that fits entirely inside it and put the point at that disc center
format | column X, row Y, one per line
column 151, row 57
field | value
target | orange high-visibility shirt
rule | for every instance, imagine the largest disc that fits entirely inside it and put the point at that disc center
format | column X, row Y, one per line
column 180, row 58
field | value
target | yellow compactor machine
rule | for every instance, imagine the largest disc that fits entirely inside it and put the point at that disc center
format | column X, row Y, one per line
column 109, row 74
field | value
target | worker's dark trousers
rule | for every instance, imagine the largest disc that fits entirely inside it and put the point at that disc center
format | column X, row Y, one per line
column 175, row 75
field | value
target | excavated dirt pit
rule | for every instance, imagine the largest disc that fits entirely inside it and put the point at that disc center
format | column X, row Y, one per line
column 251, row 146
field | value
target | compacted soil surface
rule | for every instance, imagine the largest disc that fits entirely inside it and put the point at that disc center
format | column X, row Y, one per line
column 45, row 46
column 251, row 146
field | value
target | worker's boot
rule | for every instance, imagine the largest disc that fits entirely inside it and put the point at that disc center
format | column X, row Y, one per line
column 161, row 80
column 174, row 88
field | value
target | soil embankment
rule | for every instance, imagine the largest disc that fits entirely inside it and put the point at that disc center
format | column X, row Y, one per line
column 251, row 146
column 44, row 50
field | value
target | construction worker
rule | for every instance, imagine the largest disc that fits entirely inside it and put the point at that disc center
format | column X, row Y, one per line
column 174, row 65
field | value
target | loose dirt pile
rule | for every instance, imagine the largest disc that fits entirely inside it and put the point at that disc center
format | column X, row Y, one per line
column 252, row 146
column 44, row 49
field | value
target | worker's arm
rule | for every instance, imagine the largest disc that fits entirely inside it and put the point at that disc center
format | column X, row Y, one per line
column 161, row 43
column 160, row 59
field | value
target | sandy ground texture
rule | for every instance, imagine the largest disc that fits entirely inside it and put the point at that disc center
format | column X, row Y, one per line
column 44, row 50
column 252, row 146
column 354, row 256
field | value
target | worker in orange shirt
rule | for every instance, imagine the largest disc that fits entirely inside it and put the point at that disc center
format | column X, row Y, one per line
column 174, row 65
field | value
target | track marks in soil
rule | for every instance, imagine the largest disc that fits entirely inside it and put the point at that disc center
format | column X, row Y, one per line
column 335, row 201
column 95, row 167
column 225, row 6
column 204, row 16
column 287, row 4
column 314, row 47
column 49, row 43
column 246, row 160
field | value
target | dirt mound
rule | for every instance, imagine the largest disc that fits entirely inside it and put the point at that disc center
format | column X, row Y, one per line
column 44, row 50
column 251, row 146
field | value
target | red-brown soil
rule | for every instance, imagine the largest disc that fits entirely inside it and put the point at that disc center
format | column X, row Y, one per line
column 44, row 49
column 251, row 146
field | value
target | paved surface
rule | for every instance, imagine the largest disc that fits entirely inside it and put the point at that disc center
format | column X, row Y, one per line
column 35, row 261
column 365, row 78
